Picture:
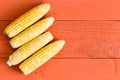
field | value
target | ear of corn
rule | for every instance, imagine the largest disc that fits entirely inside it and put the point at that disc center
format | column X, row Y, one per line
column 29, row 48
column 31, row 32
column 27, row 19
column 42, row 56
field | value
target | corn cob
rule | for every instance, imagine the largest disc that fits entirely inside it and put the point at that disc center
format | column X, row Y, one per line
column 29, row 48
column 27, row 19
column 31, row 32
column 40, row 57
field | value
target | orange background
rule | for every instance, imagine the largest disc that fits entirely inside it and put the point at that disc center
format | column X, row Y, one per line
column 91, row 29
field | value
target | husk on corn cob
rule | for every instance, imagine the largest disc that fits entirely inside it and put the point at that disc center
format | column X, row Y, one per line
column 40, row 57
column 29, row 48
column 31, row 32
column 26, row 19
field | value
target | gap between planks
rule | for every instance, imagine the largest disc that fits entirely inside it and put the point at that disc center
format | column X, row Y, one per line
column 81, row 58
column 73, row 20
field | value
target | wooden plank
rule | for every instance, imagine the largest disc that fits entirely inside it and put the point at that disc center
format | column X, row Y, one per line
column 66, row 69
column 84, row 39
column 65, row 9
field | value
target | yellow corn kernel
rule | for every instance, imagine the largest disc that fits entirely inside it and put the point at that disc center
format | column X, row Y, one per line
column 40, row 57
column 27, row 19
column 29, row 48
column 31, row 32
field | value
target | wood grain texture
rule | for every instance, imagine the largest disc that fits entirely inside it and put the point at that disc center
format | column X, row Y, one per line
column 66, row 69
column 65, row 9
column 84, row 39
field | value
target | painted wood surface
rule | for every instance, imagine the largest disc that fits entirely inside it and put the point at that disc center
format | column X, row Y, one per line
column 67, row 69
column 65, row 9
column 91, row 29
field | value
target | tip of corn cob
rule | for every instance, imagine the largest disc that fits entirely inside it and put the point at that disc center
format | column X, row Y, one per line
column 51, row 18
column 47, row 5
column 62, row 42
column 9, row 62
column 12, row 44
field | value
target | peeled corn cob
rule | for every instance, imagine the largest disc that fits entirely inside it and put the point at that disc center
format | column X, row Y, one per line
column 27, row 19
column 29, row 48
column 40, row 57
column 31, row 32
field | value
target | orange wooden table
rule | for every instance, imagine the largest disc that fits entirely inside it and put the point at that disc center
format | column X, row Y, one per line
column 91, row 29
